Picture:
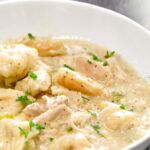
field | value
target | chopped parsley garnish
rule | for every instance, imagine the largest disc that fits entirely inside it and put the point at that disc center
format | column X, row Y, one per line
column 131, row 110
column 117, row 96
column 97, row 128
column 85, row 48
column 34, row 126
column 27, row 93
column 95, row 57
column 69, row 129
column 109, row 54
column 39, row 127
column 31, row 36
column 89, row 61
column 86, row 98
column 122, row 106
column 32, row 75
column 65, row 65
column 31, row 125
column 24, row 99
column 51, row 139
column 26, row 143
column 92, row 113
column 126, row 70
column 105, row 63
column 26, row 133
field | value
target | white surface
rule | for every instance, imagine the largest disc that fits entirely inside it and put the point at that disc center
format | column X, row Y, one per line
column 58, row 17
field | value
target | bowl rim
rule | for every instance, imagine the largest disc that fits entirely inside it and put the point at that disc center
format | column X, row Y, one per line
column 146, row 137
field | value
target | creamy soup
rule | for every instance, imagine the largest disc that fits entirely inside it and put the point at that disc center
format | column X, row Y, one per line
column 69, row 94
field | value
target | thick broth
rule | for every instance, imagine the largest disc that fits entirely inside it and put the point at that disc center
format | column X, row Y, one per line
column 95, row 101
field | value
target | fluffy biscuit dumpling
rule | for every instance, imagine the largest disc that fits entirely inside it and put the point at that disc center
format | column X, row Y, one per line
column 116, row 118
column 15, row 62
column 74, row 81
column 45, row 46
column 41, row 83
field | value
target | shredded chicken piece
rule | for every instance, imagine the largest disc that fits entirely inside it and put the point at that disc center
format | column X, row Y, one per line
column 95, row 69
column 33, row 110
column 117, row 72
column 51, row 114
column 44, row 104
column 52, row 102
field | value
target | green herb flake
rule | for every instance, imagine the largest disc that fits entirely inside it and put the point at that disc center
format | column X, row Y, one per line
column 31, row 125
column 27, row 93
column 131, row 110
column 26, row 143
column 51, row 139
column 39, row 127
column 32, row 75
column 24, row 99
column 95, row 57
column 26, row 133
column 97, row 128
column 69, row 129
column 122, row 106
column 92, row 113
column 129, row 140
column 85, row 48
column 112, row 53
column 31, row 36
column 65, row 65
column 34, row 126
column 105, row 63
column 109, row 54
column 117, row 96
column 89, row 61
column 85, row 98
column 126, row 70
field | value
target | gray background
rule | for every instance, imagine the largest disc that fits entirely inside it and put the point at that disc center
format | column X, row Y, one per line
column 138, row 10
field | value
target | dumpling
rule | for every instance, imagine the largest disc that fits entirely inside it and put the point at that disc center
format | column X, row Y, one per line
column 41, row 83
column 116, row 118
column 8, row 101
column 77, row 141
column 46, row 47
column 74, row 81
column 10, row 136
column 15, row 62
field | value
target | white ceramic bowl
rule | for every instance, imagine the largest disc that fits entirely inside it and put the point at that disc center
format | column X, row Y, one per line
column 69, row 18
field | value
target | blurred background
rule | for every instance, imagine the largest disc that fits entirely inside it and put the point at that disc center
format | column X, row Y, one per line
column 138, row 10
